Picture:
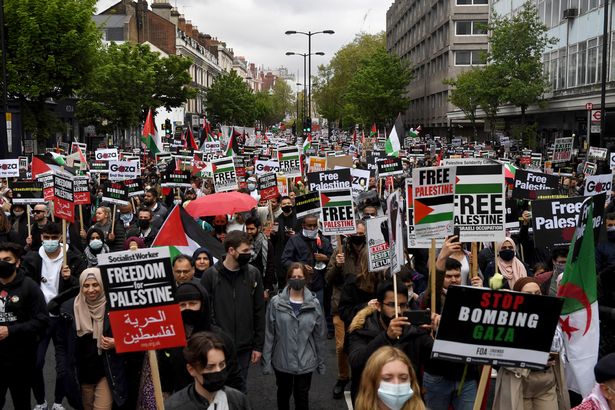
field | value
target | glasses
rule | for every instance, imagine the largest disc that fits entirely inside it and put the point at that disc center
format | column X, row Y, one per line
column 392, row 305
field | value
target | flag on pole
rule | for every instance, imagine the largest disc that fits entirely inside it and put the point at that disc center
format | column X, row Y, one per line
column 229, row 147
column 150, row 137
column 307, row 144
column 190, row 139
column 393, row 144
column 579, row 318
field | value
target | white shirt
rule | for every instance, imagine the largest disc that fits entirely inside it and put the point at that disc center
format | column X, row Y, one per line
column 220, row 401
column 50, row 273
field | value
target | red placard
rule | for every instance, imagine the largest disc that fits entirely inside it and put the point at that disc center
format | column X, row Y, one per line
column 63, row 209
column 153, row 328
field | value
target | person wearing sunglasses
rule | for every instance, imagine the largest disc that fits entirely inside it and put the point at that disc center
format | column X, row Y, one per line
column 40, row 215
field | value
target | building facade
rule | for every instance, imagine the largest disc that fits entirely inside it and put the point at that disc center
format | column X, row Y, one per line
column 439, row 39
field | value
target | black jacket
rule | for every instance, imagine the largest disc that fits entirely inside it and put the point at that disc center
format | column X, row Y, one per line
column 186, row 399
column 33, row 264
column 147, row 239
column 352, row 299
column 23, row 311
column 302, row 249
column 237, row 304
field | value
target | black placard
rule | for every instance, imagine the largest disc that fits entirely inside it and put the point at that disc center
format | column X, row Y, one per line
column 528, row 183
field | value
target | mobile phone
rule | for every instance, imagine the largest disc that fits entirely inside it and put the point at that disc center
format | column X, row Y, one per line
column 418, row 317
column 456, row 233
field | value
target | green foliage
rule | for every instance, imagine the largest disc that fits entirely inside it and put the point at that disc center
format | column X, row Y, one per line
column 230, row 101
column 51, row 50
column 272, row 107
column 492, row 92
column 127, row 81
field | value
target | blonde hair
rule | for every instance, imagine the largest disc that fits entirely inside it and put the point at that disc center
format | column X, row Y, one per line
column 371, row 377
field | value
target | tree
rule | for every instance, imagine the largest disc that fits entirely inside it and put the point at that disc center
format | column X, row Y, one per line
column 127, row 81
column 282, row 99
column 265, row 111
column 230, row 100
column 491, row 92
column 466, row 94
column 375, row 91
column 516, row 47
column 51, row 49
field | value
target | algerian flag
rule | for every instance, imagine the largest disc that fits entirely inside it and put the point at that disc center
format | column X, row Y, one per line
column 393, row 144
column 579, row 318
column 150, row 137
column 307, row 144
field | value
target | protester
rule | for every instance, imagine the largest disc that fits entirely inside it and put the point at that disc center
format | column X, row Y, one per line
column 159, row 211
column 133, row 243
column 114, row 235
column 202, row 261
column 19, row 222
column 262, row 258
column 183, row 270
column 509, row 267
column 295, row 328
column 206, row 363
column 96, row 245
column 41, row 215
column 284, row 228
column 605, row 250
column 7, row 233
column 144, row 228
column 606, row 306
column 602, row 396
column 389, row 382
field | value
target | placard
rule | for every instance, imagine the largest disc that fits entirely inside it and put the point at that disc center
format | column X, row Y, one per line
column 344, row 161
column 211, row 147
column 308, row 204
column 115, row 193
column 9, row 168
column 433, row 192
column 337, row 212
column 396, row 237
column 134, row 187
column 99, row 167
column 106, row 154
column 123, row 170
column 27, row 192
column 597, row 184
column 562, row 149
column 589, row 168
column 377, row 247
column 225, row 177
column 389, row 166
column 360, row 181
column 140, row 289
column 268, row 186
column 76, row 146
column 290, row 161
column 334, row 179
column 46, row 179
column 597, row 154
column 176, row 179
column 81, row 190
column 528, row 183
column 63, row 198
column 264, row 166
column 317, row 164
column 500, row 328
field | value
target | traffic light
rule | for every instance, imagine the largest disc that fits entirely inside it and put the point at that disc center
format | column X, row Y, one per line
column 307, row 125
column 168, row 128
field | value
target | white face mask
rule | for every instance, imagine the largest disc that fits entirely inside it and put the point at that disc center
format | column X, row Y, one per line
column 393, row 395
column 310, row 233
column 18, row 213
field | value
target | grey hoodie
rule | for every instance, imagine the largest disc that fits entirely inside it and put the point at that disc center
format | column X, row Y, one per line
column 293, row 343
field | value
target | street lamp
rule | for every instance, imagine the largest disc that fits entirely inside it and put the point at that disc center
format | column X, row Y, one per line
column 305, row 84
column 309, row 35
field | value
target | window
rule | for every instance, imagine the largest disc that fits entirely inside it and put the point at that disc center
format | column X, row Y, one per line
column 469, row 57
column 465, row 28
column 471, row 2
column 553, row 70
column 561, row 75
column 612, row 58
column 548, row 4
column 592, row 60
column 582, row 63
column 572, row 66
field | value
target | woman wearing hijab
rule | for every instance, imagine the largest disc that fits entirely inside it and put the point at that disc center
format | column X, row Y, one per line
column 96, row 245
column 133, row 243
column 202, row 261
column 509, row 268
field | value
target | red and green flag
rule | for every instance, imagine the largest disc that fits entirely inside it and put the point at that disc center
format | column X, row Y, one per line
column 149, row 136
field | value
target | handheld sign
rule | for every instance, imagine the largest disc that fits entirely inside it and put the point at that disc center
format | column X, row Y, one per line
column 106, row 154
column 81, row 190
column 389, row 166
column 528, row 183
column 27, row 192
column 225, row 177
column 134, row 187
column 317, row 164
column 99, row 167
column 290, row 161
column 9, row 168
column 47, row 180
column 337, row 212
column 115, row 193
column 501, row 328
column 308, row 204
column 360, row 181
column 268, row 186
column 433, row 193
column 264, row 166
column 597, row 154
column 597, row 184
column 176, row 179
column 123, row 170
column 336, row 179
column 396, row 238
column 562, row 149
column 377, row 245
column 63, row 198
column 140, row 291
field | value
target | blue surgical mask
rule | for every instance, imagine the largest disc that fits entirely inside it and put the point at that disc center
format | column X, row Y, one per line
column 393, row 395
column 126, row 217
column 96, row 244
column 51, row 245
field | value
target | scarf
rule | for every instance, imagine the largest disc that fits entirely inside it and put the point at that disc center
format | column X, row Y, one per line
column 511, row 270
column 92, row 255
column 89, row 315
column 260, row 244
column 597, row 399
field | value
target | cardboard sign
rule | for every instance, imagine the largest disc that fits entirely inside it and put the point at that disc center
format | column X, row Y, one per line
column 344, row 161
column 225, row 176
column 396, row 237
column 500, row 328
column 115, row 193
column 290, row 161
column 337, row 212
column 134, row 187
column 308, row 204
column 554, row 220
column 597, row 184
column 317, row 164
column 123, row 170
column 268, row 186
column 63, row 198
column 528, row 183
column 106, row 154
column 597, row 154
column 335, row 179
column 562, row 149
column 479, row 203
column 377, row 246
column 81, row 190
column 27, row 192
column 176, row 179
column 140, row 290
column 433, row 192
column 9, row 168
column 389, row 166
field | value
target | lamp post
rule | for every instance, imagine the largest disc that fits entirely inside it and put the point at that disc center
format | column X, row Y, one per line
column 309, row 35
column 306, row 87
column 297, row 117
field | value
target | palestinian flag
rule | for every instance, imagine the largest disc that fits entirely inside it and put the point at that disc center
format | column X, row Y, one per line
column 479, row 179
column 307, row 144
column 150, row 137
column 393, row 142
column 579, row 319
column 337, row 212
column 330, row 199
column 183, row 235
column 374, row 131
column 224, row 173
column 434, row 209
column 49, row 163
column 233, row 143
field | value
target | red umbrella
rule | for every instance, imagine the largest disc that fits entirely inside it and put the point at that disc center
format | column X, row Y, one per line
column 221, row 203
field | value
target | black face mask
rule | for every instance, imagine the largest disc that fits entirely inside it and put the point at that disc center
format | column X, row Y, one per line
column 191, row 317
column 357, row 240
column 507, row 254
column 220, row 228
column 244, row 258
column 6, row 269
column 212, row 382
column 296, row 284
column 143, row 223
column 287, row 209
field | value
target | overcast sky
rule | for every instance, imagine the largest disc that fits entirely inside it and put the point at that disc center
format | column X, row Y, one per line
column 255, row 28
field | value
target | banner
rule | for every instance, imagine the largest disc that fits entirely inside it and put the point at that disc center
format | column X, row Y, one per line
column 115, row 193
column 308, row 204
column 140, row 288
column 81, row 189
column 290, row 161
column 268, row 186
column 176, row 179
column 9, row 168
column 337, row 212
column 479, row 203
column 500, row 328
column 334, row 179
column 106, row 154
column 225, row 177
column 597, row 184
column 434, row 201
column 389, row 166
column 27, row 192
column 377, row 245
column 396, row 237
column 554, row 220
column 562, row 149
column 63, row 198
column 123, row 170
column 528, row 183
